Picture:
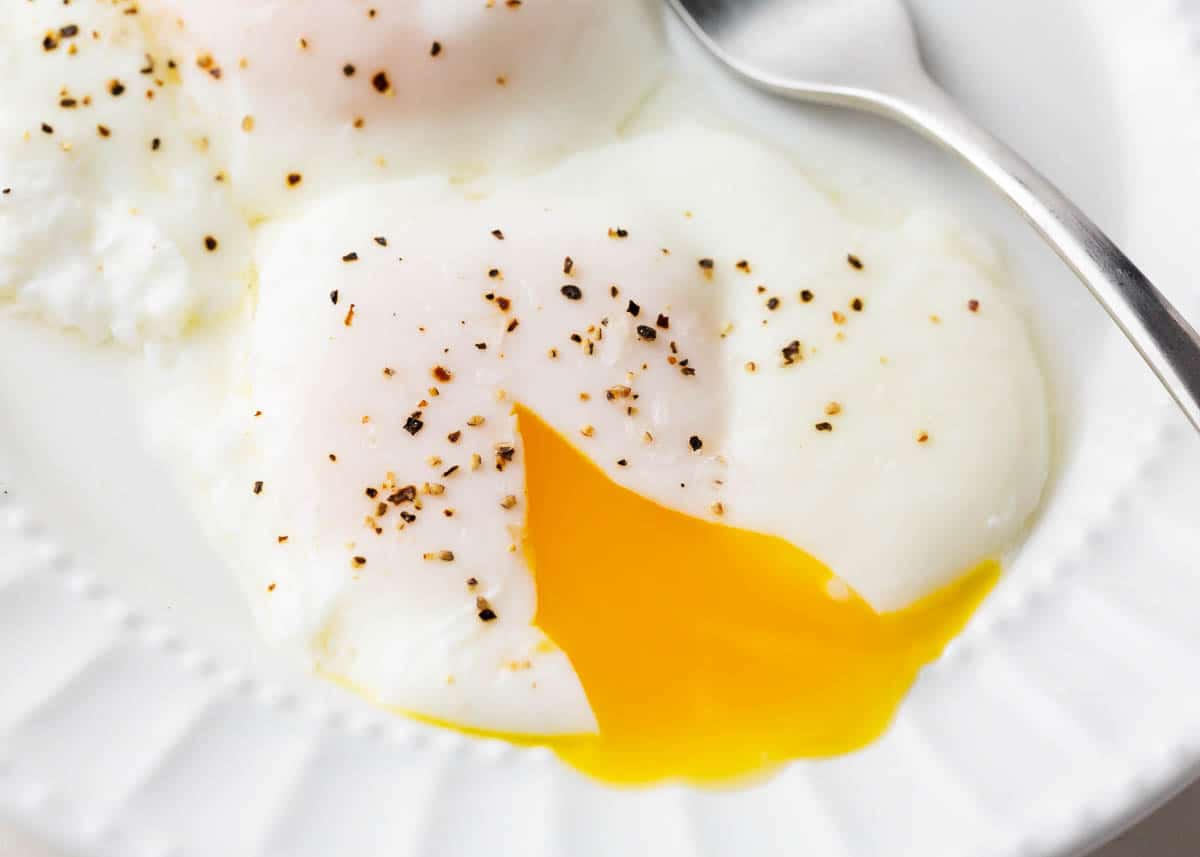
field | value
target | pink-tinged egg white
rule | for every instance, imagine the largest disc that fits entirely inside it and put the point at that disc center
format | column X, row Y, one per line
column 305, row 96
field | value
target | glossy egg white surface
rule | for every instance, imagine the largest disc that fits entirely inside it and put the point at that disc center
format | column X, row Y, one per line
column 333, row 93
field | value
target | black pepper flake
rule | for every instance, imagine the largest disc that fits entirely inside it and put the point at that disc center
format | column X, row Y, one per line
column 116, row 88
column 333, row 296
column 403, row 495
column 487, row 614
column 472, row 581
column 413, row 424
column 69, row 31
column 482, row 346
column 614, row 291
column 258, row 486
column 503, row 302
column 512, row 325
column 380, row 82
column 619, row 232
column 497, row 234
column 348, row 70
column 350, row 257
column 695, row 443
column 571, row 293
column 381, row 240
column 360, row 561
column 493, row 272
column 47, row 129
column 663, row 321
column 772, row 303
column 622, row 462
column 372, row 492
column 67, row 102
column 407, row 517
column 646, row 332
column 454, row 436
column 210, row 243
column 791, row 352
column 155, row 144
column 706, row 264
column 823, row 426
column 504, row 455
column 450, row 471
column 49, row 43
column 435, row 49
column 973, row 305
column 806, row 296
column 568, row 265
column 103, row 131
column 633, row 309
column 575, row 337
column 855, row 262
column 294, row 179
column 687, row 371
column 857, row 304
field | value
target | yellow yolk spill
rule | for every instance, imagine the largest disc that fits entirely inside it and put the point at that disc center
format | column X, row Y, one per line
column 707, row 651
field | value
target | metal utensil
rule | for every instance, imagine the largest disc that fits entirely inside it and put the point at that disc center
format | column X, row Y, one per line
column 863, row 54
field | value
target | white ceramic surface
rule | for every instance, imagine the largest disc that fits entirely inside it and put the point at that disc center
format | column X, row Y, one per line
column 139, row 714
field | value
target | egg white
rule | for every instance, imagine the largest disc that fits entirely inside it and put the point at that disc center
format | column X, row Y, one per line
column 330, row 93
column 893, row 516
column 102, row 229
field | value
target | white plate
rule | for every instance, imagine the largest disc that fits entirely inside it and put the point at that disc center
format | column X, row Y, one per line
column 1068, row 707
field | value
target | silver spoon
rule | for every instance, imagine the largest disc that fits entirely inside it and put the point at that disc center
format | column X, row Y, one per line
column 863, row 54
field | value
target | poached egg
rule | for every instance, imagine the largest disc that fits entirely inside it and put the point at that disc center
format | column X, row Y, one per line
column 685, row 461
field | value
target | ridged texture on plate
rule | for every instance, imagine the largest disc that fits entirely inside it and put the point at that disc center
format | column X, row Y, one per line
column 1068, row 703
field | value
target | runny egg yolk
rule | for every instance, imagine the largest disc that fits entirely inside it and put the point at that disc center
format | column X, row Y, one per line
column 706, row 651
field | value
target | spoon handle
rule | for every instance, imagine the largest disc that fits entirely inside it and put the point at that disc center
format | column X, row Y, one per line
column 1157, row 330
